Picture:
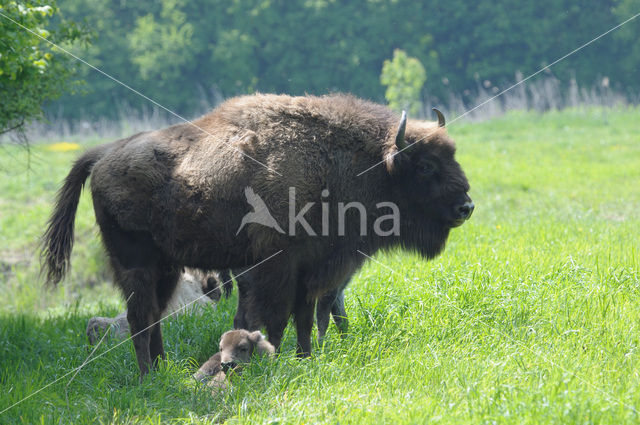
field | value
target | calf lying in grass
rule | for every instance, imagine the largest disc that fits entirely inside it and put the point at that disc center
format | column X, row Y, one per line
column 194, row 288
column 236, row 348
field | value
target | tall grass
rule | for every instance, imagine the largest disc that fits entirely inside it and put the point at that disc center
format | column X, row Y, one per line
column 541, row 93
column 531, row 315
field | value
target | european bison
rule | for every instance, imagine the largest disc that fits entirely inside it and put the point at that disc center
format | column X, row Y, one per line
column 237, row 347
column 177, row 197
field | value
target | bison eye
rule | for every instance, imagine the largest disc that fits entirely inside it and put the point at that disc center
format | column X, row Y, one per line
column 428, row 168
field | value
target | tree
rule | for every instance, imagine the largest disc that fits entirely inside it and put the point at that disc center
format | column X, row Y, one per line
column 628, row 51
column 179, row 53
column 404, row 77
column 31, row 70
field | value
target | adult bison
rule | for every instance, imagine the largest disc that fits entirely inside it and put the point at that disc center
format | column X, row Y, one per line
column 177, row 197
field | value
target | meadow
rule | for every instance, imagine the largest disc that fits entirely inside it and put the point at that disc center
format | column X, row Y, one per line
column 531, row 315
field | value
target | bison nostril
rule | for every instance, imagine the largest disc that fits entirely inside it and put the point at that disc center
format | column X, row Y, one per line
column 465, row 210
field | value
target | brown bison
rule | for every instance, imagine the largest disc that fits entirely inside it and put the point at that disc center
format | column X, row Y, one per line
column 237, row 347
column 180, row 197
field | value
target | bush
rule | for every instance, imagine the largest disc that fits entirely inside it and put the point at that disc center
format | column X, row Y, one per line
column 32, row 71
column 404, row 77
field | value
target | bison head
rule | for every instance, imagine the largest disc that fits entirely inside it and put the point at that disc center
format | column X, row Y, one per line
column 237, row 347
column 431, row 187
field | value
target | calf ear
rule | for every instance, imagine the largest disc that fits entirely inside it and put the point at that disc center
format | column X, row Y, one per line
column 262, row 346
column 255, row 336
column 265, row 347
column 211, row 287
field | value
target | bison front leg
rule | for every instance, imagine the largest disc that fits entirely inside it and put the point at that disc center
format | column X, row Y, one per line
column 241, row 319
column 303, row 312
column 265, row 297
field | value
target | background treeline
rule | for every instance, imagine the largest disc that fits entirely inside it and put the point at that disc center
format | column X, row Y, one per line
column 188, row 55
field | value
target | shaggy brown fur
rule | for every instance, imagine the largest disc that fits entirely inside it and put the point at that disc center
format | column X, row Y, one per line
column 236, row 348
column 212, row 373
column 175, row 197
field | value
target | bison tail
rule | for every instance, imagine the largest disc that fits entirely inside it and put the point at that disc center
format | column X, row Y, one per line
column 57, row 240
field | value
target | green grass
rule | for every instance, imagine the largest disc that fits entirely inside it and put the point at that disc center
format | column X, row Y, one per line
column 531, row 315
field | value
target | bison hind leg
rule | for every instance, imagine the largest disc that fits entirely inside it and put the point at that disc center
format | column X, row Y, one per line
column 241, row 319
column 147, row 280
column 147, row 291
column 166, row 283
column 303, row 311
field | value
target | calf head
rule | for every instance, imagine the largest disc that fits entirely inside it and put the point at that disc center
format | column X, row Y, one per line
column 237, row 347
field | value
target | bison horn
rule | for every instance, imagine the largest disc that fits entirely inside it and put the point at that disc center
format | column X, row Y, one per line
column 440, row 117
column 400, row 142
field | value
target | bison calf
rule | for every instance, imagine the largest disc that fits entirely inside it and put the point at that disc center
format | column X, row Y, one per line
column 236, row 348
column 193, row 288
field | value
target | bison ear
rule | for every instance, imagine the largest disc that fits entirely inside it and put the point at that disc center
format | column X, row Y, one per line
column 211, row 287
column 265, row 347
column 262, row 346
column 256, row 336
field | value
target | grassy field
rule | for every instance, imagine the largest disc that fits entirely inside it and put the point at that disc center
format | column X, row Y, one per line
column 531, row 315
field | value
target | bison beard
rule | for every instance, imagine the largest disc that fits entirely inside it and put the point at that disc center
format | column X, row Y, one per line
column 175, row 197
